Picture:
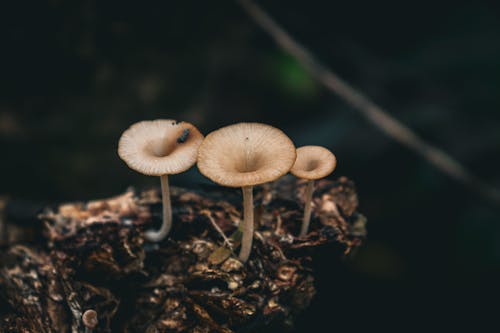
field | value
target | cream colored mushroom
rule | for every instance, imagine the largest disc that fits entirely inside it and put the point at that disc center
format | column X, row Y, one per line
column 160, row 148
column 244, row 155
column 313, row 162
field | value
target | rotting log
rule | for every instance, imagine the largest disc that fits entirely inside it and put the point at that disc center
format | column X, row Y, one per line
column 92, row 256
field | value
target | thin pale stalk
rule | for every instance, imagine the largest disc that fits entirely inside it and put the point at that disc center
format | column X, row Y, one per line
column 248, row 223
column 307, row 208
column 157, row 236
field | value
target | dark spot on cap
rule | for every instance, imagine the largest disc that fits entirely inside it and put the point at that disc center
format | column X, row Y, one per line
column 246, row 138
column 183, row 137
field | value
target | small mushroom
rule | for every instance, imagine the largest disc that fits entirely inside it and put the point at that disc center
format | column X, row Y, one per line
column 160, row 148
column 244, row 155
column 313, row 162
column 90, row 321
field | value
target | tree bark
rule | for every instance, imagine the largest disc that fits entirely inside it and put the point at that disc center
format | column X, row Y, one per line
column 92, row 256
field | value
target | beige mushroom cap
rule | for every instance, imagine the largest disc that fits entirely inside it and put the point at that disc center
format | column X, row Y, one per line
column 246, row 154
column 160, row 147
column 313, row 162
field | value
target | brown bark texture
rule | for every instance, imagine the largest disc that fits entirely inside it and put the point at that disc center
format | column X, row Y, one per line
column 85, row 267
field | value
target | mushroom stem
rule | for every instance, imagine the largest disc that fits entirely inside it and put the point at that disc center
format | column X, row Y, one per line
column 307, row 208
column 248, row 222
column 157, row 236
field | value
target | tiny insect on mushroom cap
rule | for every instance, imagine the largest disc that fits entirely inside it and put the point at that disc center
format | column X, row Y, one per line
column 160, row 147
column 246, row 154
column 313, row 162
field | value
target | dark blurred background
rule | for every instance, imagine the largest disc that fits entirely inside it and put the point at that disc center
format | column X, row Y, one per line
column 75, row 74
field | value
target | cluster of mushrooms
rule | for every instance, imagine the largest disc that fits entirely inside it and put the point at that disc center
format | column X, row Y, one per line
column 240, row 155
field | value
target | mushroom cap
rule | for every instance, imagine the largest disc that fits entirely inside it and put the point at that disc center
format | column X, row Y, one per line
column 246, row 154
column 313, row 162
column 160, row 147
column 90, row 319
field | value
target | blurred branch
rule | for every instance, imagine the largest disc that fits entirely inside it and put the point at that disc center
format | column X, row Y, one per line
column 375, row 114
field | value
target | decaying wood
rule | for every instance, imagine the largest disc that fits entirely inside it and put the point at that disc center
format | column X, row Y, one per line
column 93, row 257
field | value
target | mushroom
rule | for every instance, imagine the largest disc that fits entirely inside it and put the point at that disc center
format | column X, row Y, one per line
column 90, row 321
column 244, row 155
column 160, row 148
column 313, row 162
